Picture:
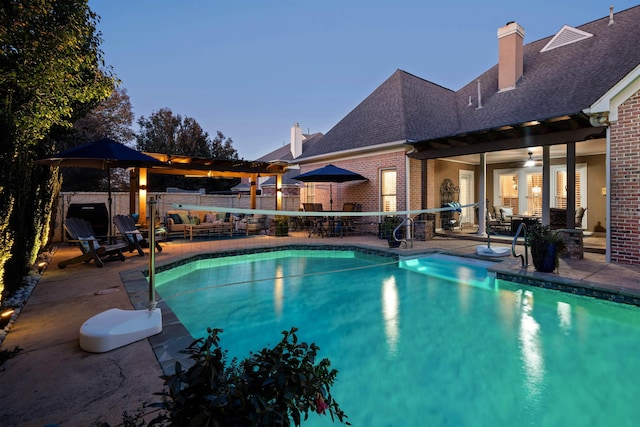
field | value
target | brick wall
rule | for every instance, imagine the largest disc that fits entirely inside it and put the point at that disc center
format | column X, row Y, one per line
column 365, row 192
column 625, row 183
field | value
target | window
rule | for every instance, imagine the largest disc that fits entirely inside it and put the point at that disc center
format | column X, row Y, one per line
column 559, row 186
column 311, row 192
column 508, row 191
column 388, row 190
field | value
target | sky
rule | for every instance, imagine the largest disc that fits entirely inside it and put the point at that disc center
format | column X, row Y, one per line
column 253, row 68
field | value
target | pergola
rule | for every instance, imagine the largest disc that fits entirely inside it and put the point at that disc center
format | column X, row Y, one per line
column 199, row 167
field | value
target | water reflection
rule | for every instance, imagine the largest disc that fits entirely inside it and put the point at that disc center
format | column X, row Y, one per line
column 530, row 346
column 564, row 315
column 390, row 313
column 278, row 291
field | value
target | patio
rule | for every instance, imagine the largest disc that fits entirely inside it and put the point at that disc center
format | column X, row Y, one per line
column 54, row 382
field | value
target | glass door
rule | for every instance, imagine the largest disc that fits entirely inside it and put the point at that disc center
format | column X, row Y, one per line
column 534, row 194
column 508, row 191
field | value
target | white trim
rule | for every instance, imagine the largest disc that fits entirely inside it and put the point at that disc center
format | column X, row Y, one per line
column 580, row 167
column 467, row 213
column 617, row 95
column 352, row 153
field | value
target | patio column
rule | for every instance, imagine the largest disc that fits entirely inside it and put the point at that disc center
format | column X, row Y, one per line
column 278, row 192
column 546, row 185
column 571, row 184
column 142, row 195
column 482, row 204
column 252, row 191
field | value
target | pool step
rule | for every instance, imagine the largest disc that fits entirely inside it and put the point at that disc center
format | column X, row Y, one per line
column 455, row 269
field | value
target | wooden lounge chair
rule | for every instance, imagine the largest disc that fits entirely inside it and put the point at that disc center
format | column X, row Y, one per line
column 131, row 235
column 82, row 234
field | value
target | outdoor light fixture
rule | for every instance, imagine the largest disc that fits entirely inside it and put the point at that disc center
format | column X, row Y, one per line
column 5, row 317
column 41, row 266
column 530, row 162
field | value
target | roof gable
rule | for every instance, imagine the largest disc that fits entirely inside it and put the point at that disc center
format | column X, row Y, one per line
column 404, row 107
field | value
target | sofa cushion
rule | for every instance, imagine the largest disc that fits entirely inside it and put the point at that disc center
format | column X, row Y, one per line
column 175, row 218
column 505, row 212
column 184, row 218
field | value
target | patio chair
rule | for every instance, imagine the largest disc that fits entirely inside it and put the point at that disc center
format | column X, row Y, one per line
column 131, row 235
column 82, row 235
column 316, row 222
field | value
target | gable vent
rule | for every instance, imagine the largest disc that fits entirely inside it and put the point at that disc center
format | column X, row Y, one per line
column 565, row 36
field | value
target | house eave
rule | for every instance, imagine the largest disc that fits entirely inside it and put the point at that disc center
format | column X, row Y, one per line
column 558, row 130
column 388, row 146
column 614, row 97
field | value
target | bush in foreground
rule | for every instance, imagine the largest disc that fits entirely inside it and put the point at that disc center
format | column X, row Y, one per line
column 274, row 387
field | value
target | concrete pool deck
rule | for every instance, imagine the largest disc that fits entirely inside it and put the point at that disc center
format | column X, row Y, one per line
column 51, row 381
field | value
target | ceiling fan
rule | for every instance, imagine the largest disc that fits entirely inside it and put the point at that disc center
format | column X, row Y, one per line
column 528, row 162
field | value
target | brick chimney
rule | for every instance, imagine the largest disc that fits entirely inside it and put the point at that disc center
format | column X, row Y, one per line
column 510, row 55
column 296, row 141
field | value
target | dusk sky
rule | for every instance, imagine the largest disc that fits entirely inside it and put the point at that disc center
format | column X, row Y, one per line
column 251, row 68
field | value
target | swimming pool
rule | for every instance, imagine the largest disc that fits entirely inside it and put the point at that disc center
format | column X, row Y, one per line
column 414, row 349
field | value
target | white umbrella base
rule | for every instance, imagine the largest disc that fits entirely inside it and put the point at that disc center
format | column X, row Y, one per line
column 116, row 328
column 496, row 251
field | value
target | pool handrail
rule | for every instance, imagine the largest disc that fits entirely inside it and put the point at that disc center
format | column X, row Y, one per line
column 525, row 259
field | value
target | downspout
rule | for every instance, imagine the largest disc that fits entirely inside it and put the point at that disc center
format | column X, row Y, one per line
column 407, row 184
column 607, row 202
column 407, row 179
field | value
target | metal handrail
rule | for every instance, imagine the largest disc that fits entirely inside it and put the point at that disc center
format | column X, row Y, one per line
column 409, row 234
column 525, row 259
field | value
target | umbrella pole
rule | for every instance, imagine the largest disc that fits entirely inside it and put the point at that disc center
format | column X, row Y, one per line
column 109, row 200
column 152, row 254
column 330, row 196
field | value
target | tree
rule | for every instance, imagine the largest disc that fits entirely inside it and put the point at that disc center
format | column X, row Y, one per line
column 112, row 118
column 164, row 132
column 50, row 73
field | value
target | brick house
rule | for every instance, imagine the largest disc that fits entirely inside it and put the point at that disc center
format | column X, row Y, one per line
column 569, row 102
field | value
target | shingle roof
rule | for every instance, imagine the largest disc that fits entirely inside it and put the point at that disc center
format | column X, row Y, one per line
column 284, row 152
column 403, row 107
column 562, row 81
column 558, row 82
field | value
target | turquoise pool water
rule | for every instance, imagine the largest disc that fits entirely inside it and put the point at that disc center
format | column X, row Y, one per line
column 422, row 350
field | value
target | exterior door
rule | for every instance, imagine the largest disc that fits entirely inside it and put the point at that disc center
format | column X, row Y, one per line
column 466, row 180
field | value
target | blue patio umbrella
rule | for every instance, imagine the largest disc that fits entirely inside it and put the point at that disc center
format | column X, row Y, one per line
column 330, row 173
column 102, row 154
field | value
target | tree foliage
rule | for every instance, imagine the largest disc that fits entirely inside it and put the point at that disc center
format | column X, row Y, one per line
column 165, row 132
column 50, row 72
column 112, row 118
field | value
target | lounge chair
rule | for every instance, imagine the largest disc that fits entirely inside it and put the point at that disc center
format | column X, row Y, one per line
column 253, row 224
column 82, row 234
column 131, row 235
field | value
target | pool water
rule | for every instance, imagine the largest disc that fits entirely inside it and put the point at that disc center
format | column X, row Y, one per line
column 420, row 350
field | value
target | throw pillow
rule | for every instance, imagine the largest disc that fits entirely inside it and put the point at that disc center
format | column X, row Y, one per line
column 87, row 241
column 184, row 218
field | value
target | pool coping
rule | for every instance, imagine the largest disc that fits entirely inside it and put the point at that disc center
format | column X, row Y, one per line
column 169, row 345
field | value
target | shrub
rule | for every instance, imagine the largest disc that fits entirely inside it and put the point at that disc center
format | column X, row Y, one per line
column 274, row 387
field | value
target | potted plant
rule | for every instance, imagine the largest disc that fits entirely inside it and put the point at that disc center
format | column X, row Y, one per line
column 389, row 224
column 282, row 226
column 546, row 247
